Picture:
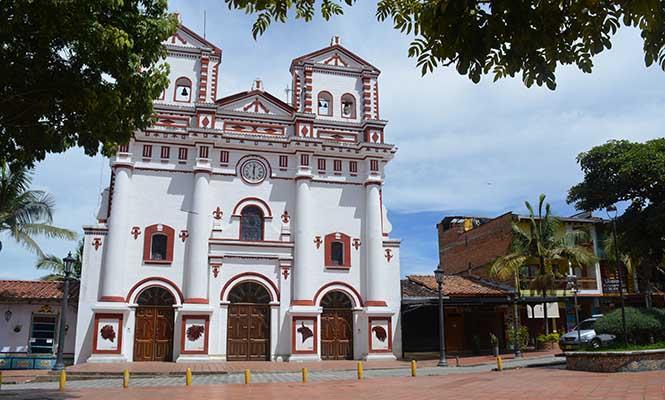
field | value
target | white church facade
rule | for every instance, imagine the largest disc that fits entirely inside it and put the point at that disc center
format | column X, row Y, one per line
column 246, row 227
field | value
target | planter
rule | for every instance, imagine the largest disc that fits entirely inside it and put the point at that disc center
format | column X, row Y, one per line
column 616, row 361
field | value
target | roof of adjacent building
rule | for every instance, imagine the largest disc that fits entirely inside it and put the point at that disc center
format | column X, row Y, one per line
column 35, row 290
column 453, row 286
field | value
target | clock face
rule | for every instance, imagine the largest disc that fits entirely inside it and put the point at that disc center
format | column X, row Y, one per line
column 253, row 171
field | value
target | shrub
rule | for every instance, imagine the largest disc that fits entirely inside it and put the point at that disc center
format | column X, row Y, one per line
column 551, row 338
column 522, row 337
column 642, row 325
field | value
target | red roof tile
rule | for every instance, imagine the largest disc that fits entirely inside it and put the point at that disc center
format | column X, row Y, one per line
column 459, row 286
column 35, row 290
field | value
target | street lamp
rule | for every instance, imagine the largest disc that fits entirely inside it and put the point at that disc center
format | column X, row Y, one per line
column 572, row 286
column 612, row 209
column 438, row 275
column 68, row 263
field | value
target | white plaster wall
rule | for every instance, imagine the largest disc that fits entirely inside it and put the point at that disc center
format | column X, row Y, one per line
column 186, row 66
column 17, row 342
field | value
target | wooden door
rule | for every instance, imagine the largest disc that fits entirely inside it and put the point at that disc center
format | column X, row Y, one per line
column 248, row 333
column 336, row 334
column 153, row 334
column 454, row 332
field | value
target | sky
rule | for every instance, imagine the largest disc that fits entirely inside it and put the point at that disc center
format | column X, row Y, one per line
column 464, row 148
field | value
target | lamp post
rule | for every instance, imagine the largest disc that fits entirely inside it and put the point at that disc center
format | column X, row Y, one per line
column 572, row 286
column 438, row 275
column 613, row 209
column 59, row 362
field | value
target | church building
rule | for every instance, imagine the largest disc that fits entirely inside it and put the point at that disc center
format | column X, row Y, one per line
column 245, row 227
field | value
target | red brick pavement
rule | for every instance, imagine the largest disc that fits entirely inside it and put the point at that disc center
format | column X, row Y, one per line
column 532, row 383
column 264, row 366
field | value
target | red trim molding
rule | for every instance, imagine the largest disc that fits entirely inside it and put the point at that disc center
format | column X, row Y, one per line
column 119, row 317
column 155, row 278
column 112, row 299
column 254, row 274
column 294, row 335
column 346, row 285
column 195, row 300
column 389, row 333
column 302, row 302
column 147, row 242
column 251, row 201
column 183, row 334
column 376, row 303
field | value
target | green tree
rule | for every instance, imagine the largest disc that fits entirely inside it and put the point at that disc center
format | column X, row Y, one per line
column 623, row 171
column 501, row 37
column 55, row 264
column 549, row 244
column 26, row 213
column 78, row 73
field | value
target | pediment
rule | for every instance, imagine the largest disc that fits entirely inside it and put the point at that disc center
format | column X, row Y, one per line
column 185, row 37
column 336, row 56
column 255, row 102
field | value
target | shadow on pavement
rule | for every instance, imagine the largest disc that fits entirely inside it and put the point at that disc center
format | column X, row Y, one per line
column 37, row 394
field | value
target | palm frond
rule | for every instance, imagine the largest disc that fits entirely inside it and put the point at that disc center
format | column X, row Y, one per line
column 50, row 262
column 49, row 231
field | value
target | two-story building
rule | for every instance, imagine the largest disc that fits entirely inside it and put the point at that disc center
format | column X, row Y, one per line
column 468, row 245
column 245, row 227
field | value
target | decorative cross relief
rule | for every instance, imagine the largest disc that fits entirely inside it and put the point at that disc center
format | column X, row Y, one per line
column 215, row 270
column 97, row 243
column 136, row 231
column 184, row 234
column 286, row 217
column 285, row 272
column 389, row 255
column 356, row 243
column 217, row 213
column 318, row 241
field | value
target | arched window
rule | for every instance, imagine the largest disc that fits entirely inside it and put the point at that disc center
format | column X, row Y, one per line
column 324, row 104
column 158, row 247
column 158, row 244
column 348, row 106
column 337, row 253
column 183, row 90
column 251, row 223
column 249, row 293
column 337, row 250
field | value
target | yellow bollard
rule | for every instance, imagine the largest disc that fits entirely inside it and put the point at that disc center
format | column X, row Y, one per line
column 413, row 367
column 248, row 377
column 499, row 363
column 188, row 377
column 305, row 375
column 125, row 378
column 360, row 370
column 63, row 380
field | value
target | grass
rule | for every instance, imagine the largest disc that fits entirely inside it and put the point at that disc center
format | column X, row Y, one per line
column 631, row 347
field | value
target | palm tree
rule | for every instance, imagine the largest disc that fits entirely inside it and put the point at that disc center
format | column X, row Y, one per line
column 550, row 244
column 25, row 213
column 56, row 265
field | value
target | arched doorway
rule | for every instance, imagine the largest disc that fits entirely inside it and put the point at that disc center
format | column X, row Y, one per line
column 336, row 326
column 248, row 333
column 153, row 332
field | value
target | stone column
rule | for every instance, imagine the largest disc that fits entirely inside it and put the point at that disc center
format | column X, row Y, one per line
column 115, row 249
column 305, row 256
column 199, row 228
column 374, row 240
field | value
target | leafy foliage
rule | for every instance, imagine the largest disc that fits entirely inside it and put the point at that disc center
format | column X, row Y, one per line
column 522, row 336
column 624, row 171
column 26, row 213
column 502, row 38
column 55, row 264
column 642, row 325
column 78, row 73
column 548, row 339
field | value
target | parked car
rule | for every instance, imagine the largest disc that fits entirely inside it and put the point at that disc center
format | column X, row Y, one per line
column 570, row 341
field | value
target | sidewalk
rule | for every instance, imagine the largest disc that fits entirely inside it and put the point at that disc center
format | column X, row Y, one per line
column 214, row 368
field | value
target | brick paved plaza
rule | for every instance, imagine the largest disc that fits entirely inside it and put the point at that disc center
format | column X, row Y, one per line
column 531, row 383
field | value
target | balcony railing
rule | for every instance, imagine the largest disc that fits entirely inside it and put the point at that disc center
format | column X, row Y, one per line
column 561, row 284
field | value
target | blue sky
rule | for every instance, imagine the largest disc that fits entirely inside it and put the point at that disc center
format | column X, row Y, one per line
column 464, row 148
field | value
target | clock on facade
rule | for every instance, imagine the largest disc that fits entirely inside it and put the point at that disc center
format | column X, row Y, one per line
column 253, row 171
